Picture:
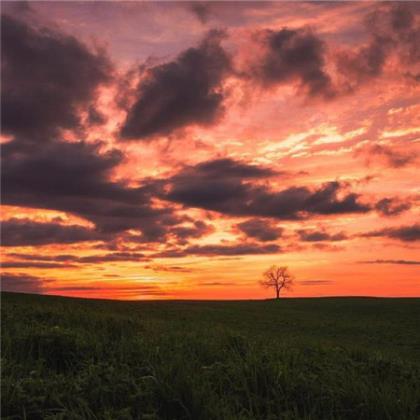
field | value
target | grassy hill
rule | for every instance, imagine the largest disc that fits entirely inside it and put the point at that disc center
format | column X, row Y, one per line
column 328, row 358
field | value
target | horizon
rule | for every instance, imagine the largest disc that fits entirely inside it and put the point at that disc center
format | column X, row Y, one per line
column 141, row 161
column 163, row 300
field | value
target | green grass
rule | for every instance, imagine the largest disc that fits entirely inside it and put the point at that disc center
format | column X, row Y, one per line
column 332, row 358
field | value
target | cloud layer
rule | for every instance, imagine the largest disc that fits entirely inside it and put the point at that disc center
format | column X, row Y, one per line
column 266, row 133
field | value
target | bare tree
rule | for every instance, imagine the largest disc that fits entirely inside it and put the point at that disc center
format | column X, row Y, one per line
column 277, row 278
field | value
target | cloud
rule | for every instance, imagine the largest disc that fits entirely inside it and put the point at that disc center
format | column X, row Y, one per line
column 43, row 66
column 43, row 257
column 217, row 283
column 186, row 91
column 322, row 246
column 89, row 259
column 74, row 178
column 364, row 64
column 240, row 249
column 113, row 257
column 60, row 169
column 22, row 283
column 291, row 55
column 34, row 264
column 25, row 232
column 222, row 249
column 229, row 168
column 399, row 262
column 392, row 30
column 233, row 194
column 320, row 236
column 197, row 230
column 390, row 156
column 403, row 233
column 168, row 268
column 392, row 206
column 260, row 229
column 95, row 117
column 314, row 282
column 201, row 10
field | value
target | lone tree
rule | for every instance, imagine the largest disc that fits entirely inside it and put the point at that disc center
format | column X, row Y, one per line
column 277, row 278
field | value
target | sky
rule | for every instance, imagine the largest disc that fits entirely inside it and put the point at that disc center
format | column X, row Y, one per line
column 176, row 150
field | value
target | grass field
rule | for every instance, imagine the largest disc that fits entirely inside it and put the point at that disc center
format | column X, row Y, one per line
column 331, row 358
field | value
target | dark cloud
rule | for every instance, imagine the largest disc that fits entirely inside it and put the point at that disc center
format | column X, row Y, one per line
column 364, row 64
column 396, row 23
column 227, row 13
column 232, row 194
column 392, row 30
column 59, row 169
column 34, row 264
column 95, row 117
column 403, row 233
column 180, row 93
column 229, row 168
column 323, row 246
column 74, row 178
column 399, row 262
column 260, row 229
column 223, row 249
column 22, row 283
column 168, row 268
column 201, row 10
column 392, row 157
column 289, row 55
column 239, row 249
column 314, row 282
column 169, row 228
column 46, row 77
column 320, row 236
column 392, row 206
column 42, row 257
column 217, row 283
column 25, row 232
column 113, row 257
column 90, row 259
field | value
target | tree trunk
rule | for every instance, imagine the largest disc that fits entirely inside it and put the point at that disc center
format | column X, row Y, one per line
column 277, row 294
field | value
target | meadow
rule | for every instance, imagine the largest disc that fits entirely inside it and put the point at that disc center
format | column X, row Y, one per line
column 326, row 358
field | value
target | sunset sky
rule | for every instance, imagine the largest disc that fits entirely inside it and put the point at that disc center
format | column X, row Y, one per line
column 176, row 150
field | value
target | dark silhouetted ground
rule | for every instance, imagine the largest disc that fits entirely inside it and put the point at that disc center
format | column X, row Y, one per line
column 331, row 358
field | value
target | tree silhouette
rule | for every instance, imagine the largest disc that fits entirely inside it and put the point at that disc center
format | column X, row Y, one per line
column 277, row 278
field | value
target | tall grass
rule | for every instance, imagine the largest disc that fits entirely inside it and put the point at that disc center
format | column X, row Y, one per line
column 310, row 359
